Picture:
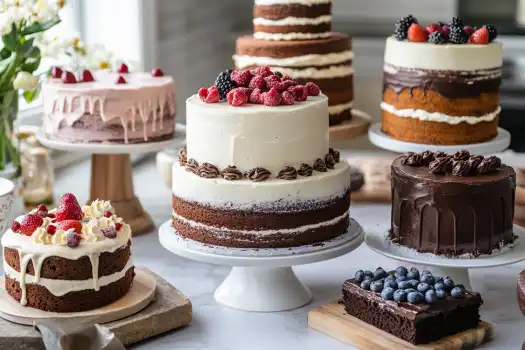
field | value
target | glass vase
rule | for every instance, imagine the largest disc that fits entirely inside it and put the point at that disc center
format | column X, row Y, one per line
column 9, row 153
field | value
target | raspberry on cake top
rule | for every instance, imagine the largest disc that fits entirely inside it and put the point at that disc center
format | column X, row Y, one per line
column 69, row 233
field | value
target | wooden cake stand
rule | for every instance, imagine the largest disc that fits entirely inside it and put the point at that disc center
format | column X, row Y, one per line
column 111, row 176
column 352, row 129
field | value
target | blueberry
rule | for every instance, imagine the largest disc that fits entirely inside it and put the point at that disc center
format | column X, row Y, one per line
column 430, row 296
column 387, row 293
column 413, row 283
column 448, row 282
column 391, row 284
column 411, row 290
column 400, row 295
column 380, row 273
column 426, row 278
column 413, row 297
column 368, row 274
column 439, row 286
column 441, row 294
column 359, row 276
column 423, row 287
column 401, row 271
column 403, row 285
column 376, row 286
column 457, row 292
column 459, row 285
column 390, row 278
column 426, row 272
column 366, row 284
column 413, row 274
column 438, row 280
column 401, row 278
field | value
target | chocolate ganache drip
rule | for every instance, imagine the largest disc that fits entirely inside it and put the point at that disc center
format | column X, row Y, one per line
column 305, row 170
column 192, row 166
column 461, row 168
column 412, row 159
column 335, row 153
column 182, row 157
column 440, row 165
column 288, row 173
column 329, row 161
column 208, row 171
column 320, row 166
column 231, row 173
column 258, row 174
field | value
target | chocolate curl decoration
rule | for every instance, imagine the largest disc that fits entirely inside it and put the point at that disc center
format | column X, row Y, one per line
column 320, row 166
column 427, row 157
column 461, row 168
column 329, row 161
column 440, row 154
column 335, row 153
column 474, row 162
column 489, row 165
column 258, row 174
column 412, row 159
column 192, row 166
column 182, row 157
column 288, row 173
column 305, row 170
column 462, row 155
column 208, row 171
column 440, row 165
column 231, row 173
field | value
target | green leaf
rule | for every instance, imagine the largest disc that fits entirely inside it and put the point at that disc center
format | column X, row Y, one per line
column 5, row 53
column 27, row 47
column 10, row 40
column 32, row 95
column 31, row 63
column 38, row 27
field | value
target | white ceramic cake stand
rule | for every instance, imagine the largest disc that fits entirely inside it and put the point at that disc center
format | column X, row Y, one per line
column 382, row 140
column 457, row 268
column 262, row 279
column 111, row 174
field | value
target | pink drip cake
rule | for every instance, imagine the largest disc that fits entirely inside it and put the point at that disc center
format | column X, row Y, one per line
column 106, row 106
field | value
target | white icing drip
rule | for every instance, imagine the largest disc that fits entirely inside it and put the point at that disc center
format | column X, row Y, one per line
column 62, row 287
column 315, row 73
column 243, row 62
column 439, row 117
column 293, row 21
column 225, row 230
column 289, row 2
column 336, row 109
column 290, row 36
column 94, row 260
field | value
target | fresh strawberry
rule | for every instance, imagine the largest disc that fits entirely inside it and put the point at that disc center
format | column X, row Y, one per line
column 30, row 223
column 480, row 37
column 434, row 28
column 157, row 72
column 417, row 33
column 69, row 209
column 68, row 224
column 118, row 226
column 121, row 80
column 51, row 229
column 51, row 215
column 108, row 214
column 15, row 226
column 86, row 76
column 41, row 207
column 123, row 68
column 68, row 198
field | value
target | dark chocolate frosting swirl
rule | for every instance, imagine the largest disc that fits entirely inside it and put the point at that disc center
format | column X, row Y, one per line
column 412, row 159
column 192, row 166
column 319, row 165
column 208, row 171
column 495, row 161
column 489, row 165
column 440, row 154
column 440, row 165
column 474, row 162
column 461, row 168
column 329, row 161
column 258, row 174
column 305, row 170
column 231, row 173
column 335, row 153
column 182, row 157
column 462, row 155
column 288, row 173
column 427, row 157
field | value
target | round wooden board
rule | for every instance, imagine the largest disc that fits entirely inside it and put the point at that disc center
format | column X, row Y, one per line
column 352, row 129
column 138, row 297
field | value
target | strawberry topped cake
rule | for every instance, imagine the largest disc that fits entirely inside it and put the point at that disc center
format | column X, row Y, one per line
column 69, row 259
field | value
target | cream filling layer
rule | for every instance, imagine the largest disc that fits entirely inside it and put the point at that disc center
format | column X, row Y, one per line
column 62, row 287
column 315, row 73
column 293, row 21
column 300, row 229
column 243, row 62
column 336, row 109
column 439, row 117
column 290, row 36
column 289, row 2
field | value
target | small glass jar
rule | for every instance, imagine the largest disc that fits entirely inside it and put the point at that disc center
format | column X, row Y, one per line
column 37, row 179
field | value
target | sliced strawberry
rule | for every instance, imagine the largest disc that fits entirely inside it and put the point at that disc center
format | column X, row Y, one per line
column 417, row 33
column 30, row 223
column 70, row 224
column 480, row 37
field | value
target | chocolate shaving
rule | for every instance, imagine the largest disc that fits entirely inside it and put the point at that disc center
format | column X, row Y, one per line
column 305, row 170
column 474, row 162
column 258, row 174
column 462, row 155
column 288, row 173
column 182, row 157
column 208, row 171
column 489, row 165
column 329, row 161
column 427, row 157
column 461, row 168
column 412, row 159
column 335, row 153
column 192, row 166
column 231, row 173
column 320, row 166
column 440, row 165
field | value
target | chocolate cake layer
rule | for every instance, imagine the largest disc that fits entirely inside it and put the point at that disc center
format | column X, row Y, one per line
column 40, row 298
column 59, row 268
column 452, row 215
column 249, row 46
column 339, row 118
column 264, row 218
column 329, row 84
column 276, row 12
column 340, row 97
column 414, row 323
column 449, row 84
column 521, row 291
column 308, row 28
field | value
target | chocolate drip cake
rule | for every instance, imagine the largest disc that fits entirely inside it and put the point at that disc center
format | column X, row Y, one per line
column 70, row 259
column 257, row 171
column 416, row 307
column 295, row 38
column 441, row 83
column 452, row 205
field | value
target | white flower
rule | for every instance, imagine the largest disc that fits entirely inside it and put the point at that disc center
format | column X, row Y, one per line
column 25, row 81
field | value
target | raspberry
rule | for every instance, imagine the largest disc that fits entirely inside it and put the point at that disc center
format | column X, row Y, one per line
column 70, row 224
column 241, row 77
column 273, row 81
column 30, row 223
column 118, row 226
column 15, row 226
column 72, row 240
column 213, row 95
column 108, row 214
column 109, row 232
column 468, row 30
column 446, row 31
column 239, row 98
column 417, row 33
column 203, row 93
column 262, row 98
column 287, row 98
column 255, row 96
column 480, row 37
column 433, row 28
column 300, row 93
column 51, row 229
column 287, row 77
column 257, row 82
column 229, row 96
column 287, row 84
column 262, row 71
column 272, row 98
column 313, row 90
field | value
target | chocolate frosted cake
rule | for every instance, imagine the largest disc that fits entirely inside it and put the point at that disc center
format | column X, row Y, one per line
column 521, row 291
column 70, row 259
column 452, row 205
column 295, row 38
column 417, row 307
column 441, row 83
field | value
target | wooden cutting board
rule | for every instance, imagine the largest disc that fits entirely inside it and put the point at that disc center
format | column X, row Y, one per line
column 332, row 320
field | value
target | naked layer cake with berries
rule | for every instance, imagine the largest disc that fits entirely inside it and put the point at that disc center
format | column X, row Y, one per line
column 69, row 259
column 257, row 171
column 108, row 106
column 441, row 83
column 295, row 38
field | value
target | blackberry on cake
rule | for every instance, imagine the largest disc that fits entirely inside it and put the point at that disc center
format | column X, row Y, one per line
column 224, row 83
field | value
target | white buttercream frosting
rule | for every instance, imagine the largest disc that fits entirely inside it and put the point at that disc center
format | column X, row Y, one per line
column 466, row 57
column 98, row 208
column 293, row 21
column 289, row 2
column 242, row 62
column 317, row 73
column 336, row 109
column 290, row 36
column 439, row 117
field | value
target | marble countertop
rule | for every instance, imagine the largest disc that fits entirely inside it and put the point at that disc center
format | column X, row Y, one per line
column 218, row 327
